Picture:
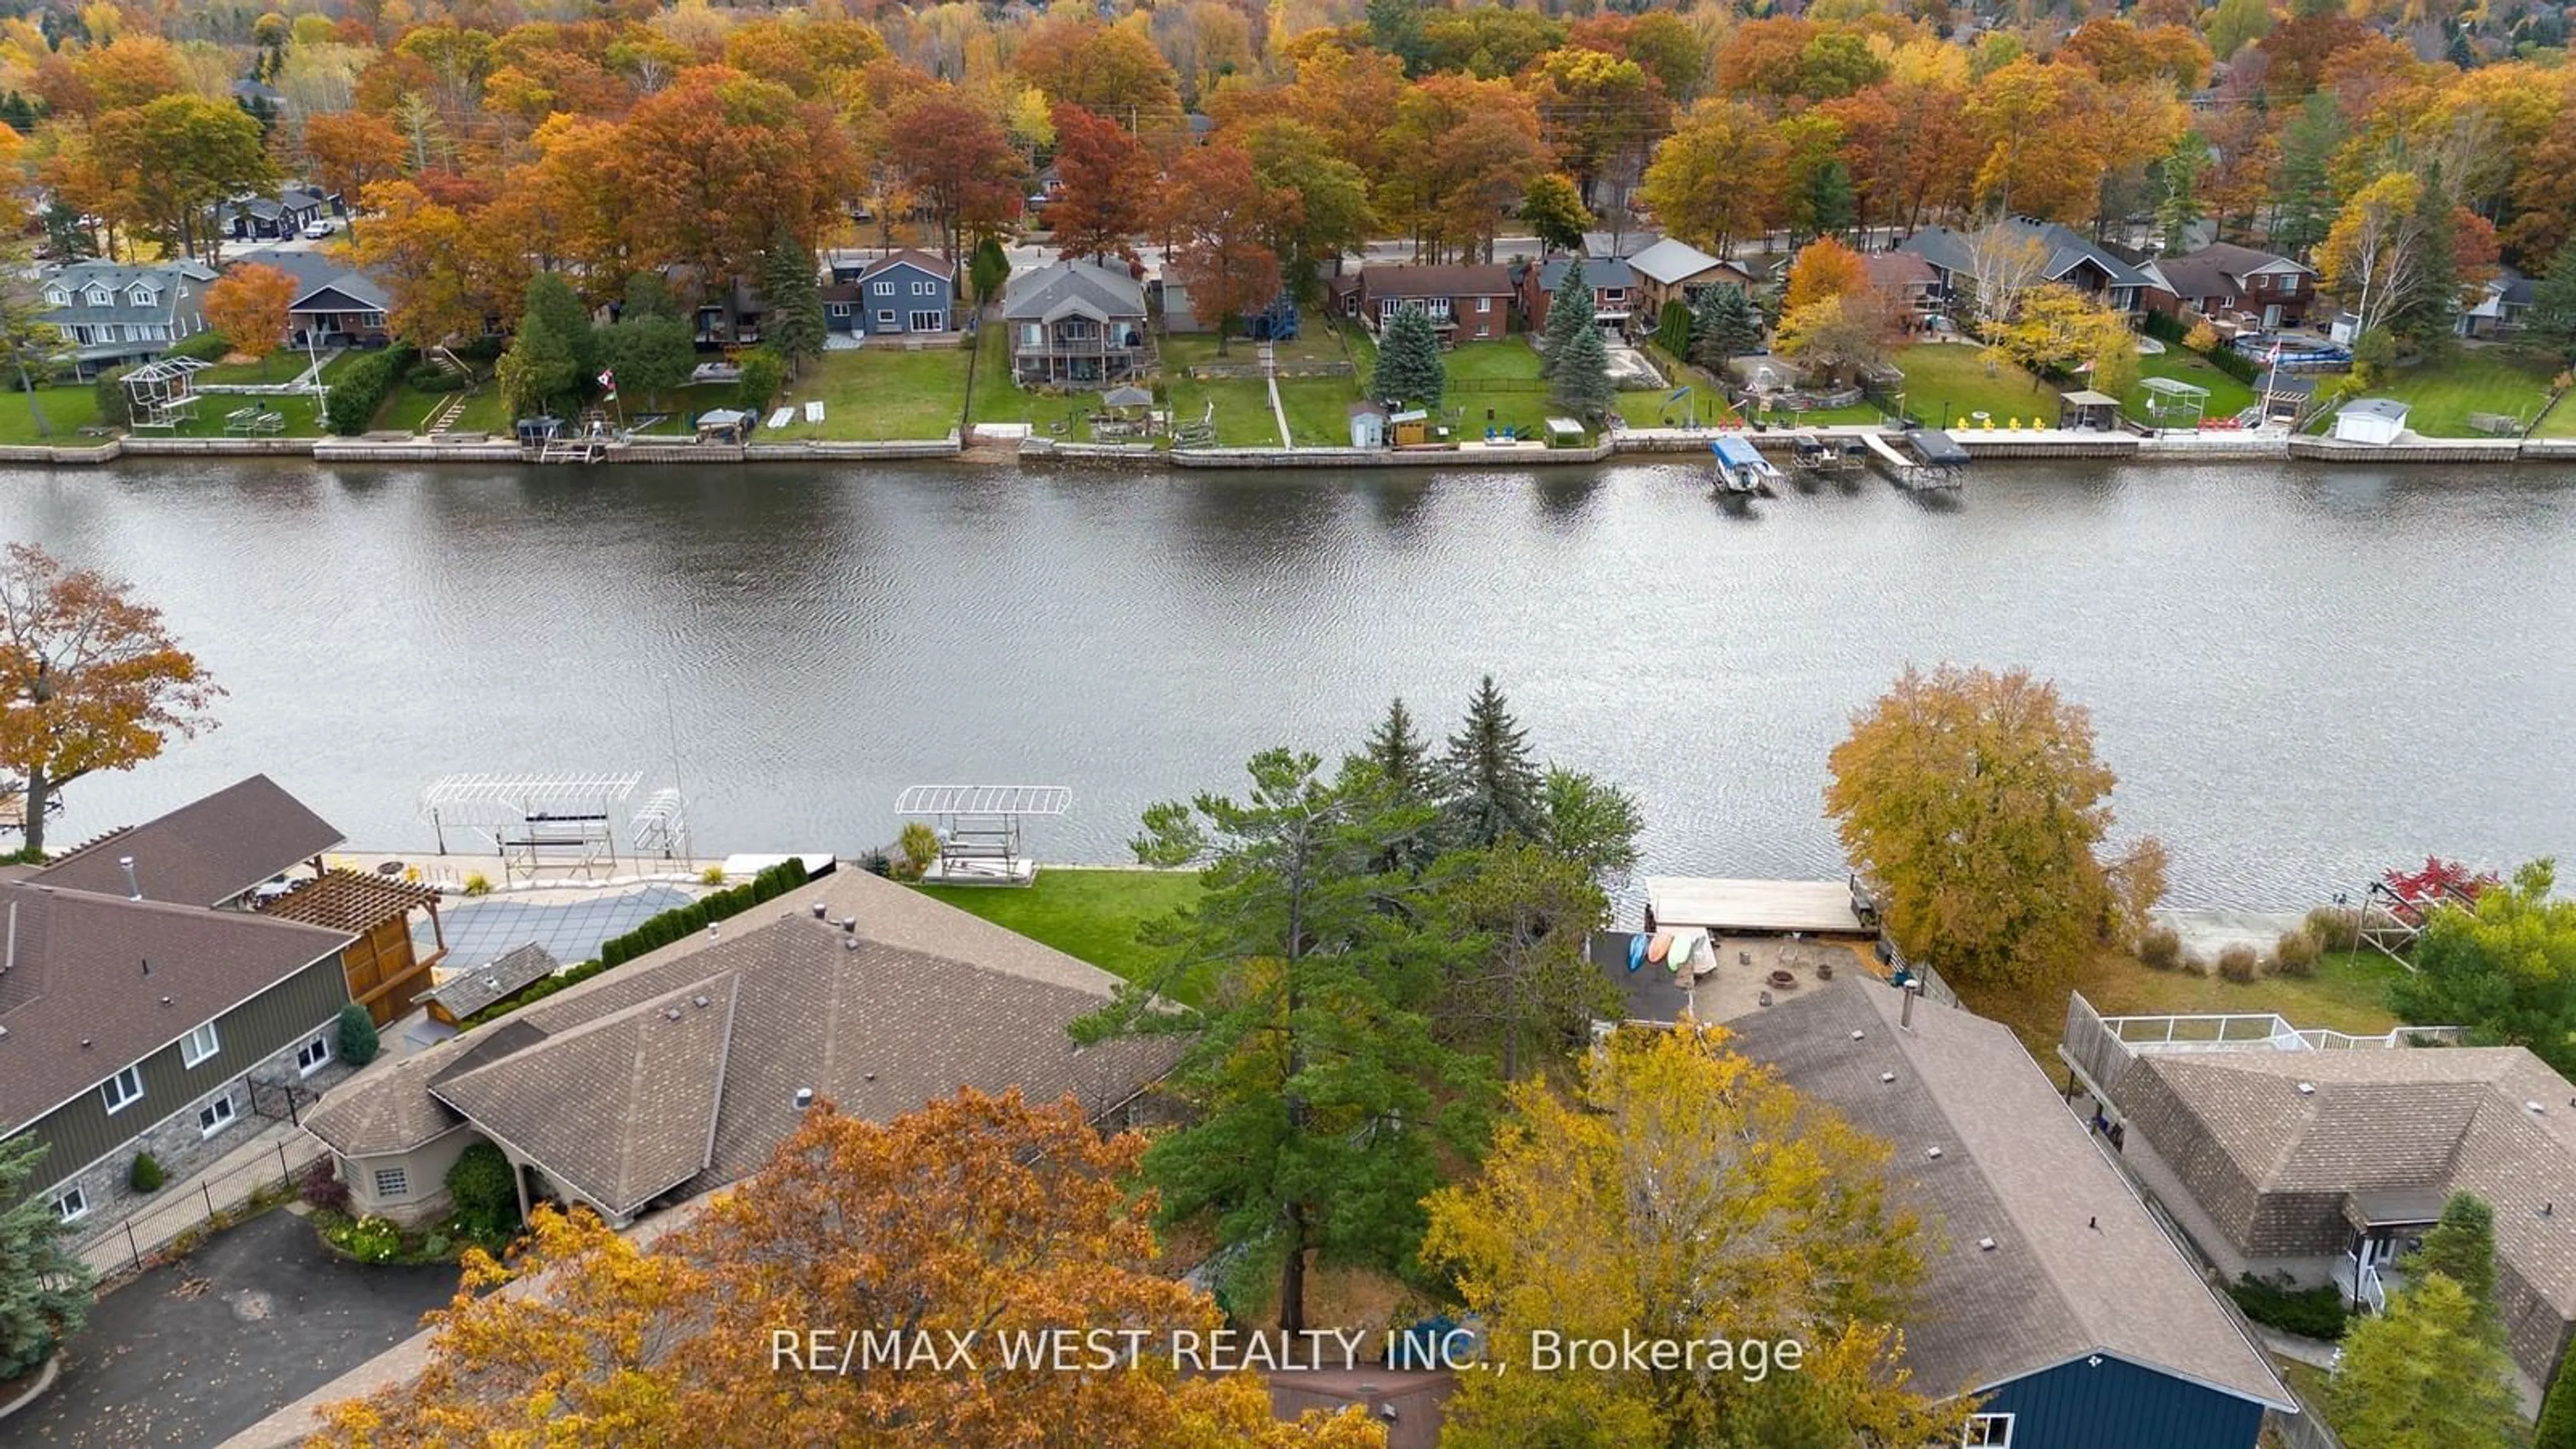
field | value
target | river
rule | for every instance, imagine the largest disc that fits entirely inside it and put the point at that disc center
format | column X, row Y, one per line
column 2301, row 675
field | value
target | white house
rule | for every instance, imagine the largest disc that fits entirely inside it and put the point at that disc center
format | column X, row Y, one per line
column 2376, row 420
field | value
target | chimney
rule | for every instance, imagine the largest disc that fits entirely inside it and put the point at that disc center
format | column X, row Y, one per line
column 804, row 1097
column 822, row 911
column 133, row 887
column 1905, row 1017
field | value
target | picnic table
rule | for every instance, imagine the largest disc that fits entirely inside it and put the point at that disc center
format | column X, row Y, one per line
column 254, row 420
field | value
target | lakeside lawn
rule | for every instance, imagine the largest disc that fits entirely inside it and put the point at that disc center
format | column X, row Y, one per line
column 67, row 410
column 2227, row 396
column 1090, row 914
column 877, row 394
column 1241, row 407
column 283, row 366
column 2442, row 394
column 408, row 409
column 1319, row 409
column 2349, row 992
column 1945, row 382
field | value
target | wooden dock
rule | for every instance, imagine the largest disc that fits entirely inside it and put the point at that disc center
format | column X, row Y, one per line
column 1908, row 472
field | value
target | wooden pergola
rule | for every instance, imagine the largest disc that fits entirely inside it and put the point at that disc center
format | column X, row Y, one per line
column 385, row 970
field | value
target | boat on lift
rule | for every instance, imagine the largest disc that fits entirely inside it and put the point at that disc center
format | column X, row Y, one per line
column 1742, row 471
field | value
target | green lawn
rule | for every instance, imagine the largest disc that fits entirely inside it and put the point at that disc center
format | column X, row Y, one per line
column 877, row 394
column 2227, row 396
column 279, row 367
column 1091, row 914
column 2486, row 380
column 1318, row 409
column 408, row 409
column 67, row 410
column 1242, row 408
column 303, row 419
column 1945, row 382
column 2349, row 992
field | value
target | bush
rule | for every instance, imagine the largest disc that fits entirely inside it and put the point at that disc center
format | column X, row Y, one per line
column 321, row 1187
column 2162, row 327
column 147, row 1175
column 2238, row 962
column 207, row 346
column 486, row 1190
column 2335, row 927
column 370, row 1239
column 430, row 377
column 361, row 387
column 2160, row 948
column 713, row 875
column 2308, row 1312
column 358, row 1041
column 482, row 349
column 877, row 862
column 2296, row 954
column 919, row 847
column 763, row 373
column 478, row 884
column 2203, row 338
column 115, row 409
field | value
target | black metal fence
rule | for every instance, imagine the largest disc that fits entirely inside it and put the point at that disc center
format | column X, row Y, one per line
column 200, row 1206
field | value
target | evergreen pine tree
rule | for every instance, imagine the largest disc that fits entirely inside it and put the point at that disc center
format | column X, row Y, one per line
column 1569, row 312
column 988, row 269
column 553, row 307
column 1581, row 384
column 1831, row 202
column 1401, row 755
column 1724, row 325
column 2424, row 1372
column 1491, row 789
column 44, row 1290
column 792, row 300
column 2553, row 309
column 1409, row 369
column 2427, row 320
column 2557, row 1427
column 2461, row 1247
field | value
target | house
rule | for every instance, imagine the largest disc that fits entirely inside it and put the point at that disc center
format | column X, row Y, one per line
column 2374, row 420
column 1409, row 1404
column 152, row 1002
column 1908, row 282
column 110, row 314
column 2323, row 1157
column 2501, row 306
column 1075, row 322
column 729, row 316
column 2049, row 1291
column 681, row 1070
column 2241, row 287
column 336, row 304
column 2067, row 258
column 891, row 295
column 1614, row 292
column 1676, row 271
column 275, row 218
column 1466, row 303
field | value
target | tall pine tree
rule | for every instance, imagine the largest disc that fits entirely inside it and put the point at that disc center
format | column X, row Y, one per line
column 1409, row 369
column 2461, row 1247
column 1581, row 383
column 1723, row 325
column 2425, row 1372
column 1491, row 790
column 1402, row 756
column 791, row 296
column 44, row 1290
column 1569, row 312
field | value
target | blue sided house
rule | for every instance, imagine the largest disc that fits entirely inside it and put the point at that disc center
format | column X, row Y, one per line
column 2049, row 1292
column 895, row 294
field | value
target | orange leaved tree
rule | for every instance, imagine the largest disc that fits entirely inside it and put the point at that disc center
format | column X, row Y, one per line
column 969, row 1222
column 248, row 305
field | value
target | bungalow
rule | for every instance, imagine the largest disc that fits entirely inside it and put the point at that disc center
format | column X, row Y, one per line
column 1466, row 303
column 1676, row 271
column 1907, row 281
column 336, row 305
column 2240, row 286
column 275, row 218
column 891, row 295
column 2049, row 1292
column 2067, row 258
column 110, row 314
column 151, row 1001
column 1614, row 292
column 857, row 990
column 1075, row 322
column 2501, row 305
column 2322, row 1157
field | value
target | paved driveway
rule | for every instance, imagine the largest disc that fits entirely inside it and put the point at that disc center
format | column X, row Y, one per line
column 166, row 1361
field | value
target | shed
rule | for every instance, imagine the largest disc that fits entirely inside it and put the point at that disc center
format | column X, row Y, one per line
column 2284, row 395
column 1564, row 432
column 468, row 992
column 1368, row 425
column 2087, row 410
column 1752, row 907
column 2374, row 420
column 1412, row 427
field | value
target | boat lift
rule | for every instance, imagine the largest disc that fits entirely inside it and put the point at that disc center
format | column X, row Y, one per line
column 1741, row 468
column 979, row 829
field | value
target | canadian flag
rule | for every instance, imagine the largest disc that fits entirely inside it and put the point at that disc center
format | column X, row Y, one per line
column 608, row 383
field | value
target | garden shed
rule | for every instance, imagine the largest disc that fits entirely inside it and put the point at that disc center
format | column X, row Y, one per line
column 2374, row 420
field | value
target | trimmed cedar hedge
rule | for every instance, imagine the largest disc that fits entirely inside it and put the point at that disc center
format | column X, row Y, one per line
column 362, row 387
column 2308, row 1312
column 676, row 924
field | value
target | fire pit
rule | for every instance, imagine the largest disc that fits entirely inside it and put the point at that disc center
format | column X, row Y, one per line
column 1783, row 981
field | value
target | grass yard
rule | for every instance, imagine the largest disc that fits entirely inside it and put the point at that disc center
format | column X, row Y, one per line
column 1945, row 382
column 2349, row 992
column 2558, row 422
column 284, row 365
column 1090, row 914
column 408, row 409
column 2227, row 396
column 2484, row 380
column 303, row 418
column 877, row 394
column 1318, row 409
column 1242, row 408
column 67, row 410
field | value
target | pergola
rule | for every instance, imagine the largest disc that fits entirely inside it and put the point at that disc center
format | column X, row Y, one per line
column 979, row 828
column 531, row 820
column 160, row 394
column 2174, row 403
column 384, row 967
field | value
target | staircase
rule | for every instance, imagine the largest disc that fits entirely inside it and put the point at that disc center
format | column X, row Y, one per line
column 447, row 412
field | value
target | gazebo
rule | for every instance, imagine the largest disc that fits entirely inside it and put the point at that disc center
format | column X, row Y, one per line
column 2173, row 403
column 723, row 425
column 2088, row 411
column 160, row 394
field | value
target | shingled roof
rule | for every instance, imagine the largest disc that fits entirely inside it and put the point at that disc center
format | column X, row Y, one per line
column 605, row 1089
column 470, row 991
column 2077, row 1267
column 205, row 852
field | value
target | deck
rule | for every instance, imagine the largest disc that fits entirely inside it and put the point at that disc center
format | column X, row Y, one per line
column 1725, row 906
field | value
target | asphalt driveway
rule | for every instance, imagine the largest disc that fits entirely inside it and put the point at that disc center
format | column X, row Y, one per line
column 198, row 1350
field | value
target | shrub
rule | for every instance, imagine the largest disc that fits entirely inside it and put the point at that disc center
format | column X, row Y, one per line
column 147, row 1175
column 2160, row 948
column 919, row 847
column 115, row 409
column 361, row 387
column 713, row 875
column 486, row 1191
column 763, row 373
column 478, row 884
column 358, row 1042
column 2203, row 337
column 430, row 377
column 2235, row 364
column 210, row 345
column 321, row 1187
column 877, row 862
column 2237, row 963
column 370, row 1239
column 2308, row 1312
column 482, row 349
column 2296, row 954
column 2335, row 927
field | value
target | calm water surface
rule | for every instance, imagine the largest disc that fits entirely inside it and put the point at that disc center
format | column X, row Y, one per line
column 2301, row 675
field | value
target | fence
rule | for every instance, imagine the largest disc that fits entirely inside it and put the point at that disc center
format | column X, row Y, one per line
column 205, row 1202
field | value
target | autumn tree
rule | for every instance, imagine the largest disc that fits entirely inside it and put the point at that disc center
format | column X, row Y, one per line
column 955, row 160
column 428, row 256
column 2004, row 262
column 2425, row 1372
column 2058, row 330
column 1838, row 335
column 1596, row 110
column 973, row 1214
column 1320, row 1103
column 93, row 678
column 186, row 154
column 1553, row 210
column 1408, row 368
column 1976, row 802
column 2378, row 254
column 1109, row 186
column 1322, row 200
column 248, row 305
column 1218, row 209
column 2505, row 968
column 1460, row 154
column 1680, row 1192
column 1710, row 179
column 350, row 151
column 1108, row 70
column 1825, row 268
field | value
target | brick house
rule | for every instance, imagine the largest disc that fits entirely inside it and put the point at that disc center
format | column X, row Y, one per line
column 1466, row 303
column 2239, row 286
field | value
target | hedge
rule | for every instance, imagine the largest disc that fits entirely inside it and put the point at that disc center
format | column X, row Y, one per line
column 207, row 346
column 2235, row 364
column 677, row 924
column 2310, row 1313
column 362, row 387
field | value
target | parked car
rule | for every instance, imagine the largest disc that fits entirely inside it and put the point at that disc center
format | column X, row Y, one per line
column 316, row 230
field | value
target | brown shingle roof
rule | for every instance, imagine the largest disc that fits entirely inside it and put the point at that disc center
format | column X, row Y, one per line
column 470, row 991
column 78, row 975
column 1443, row 281
column 931, row 999
column 203, row 853
column 2078, row 1266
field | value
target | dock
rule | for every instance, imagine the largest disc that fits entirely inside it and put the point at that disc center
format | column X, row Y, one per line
column 1929, row 460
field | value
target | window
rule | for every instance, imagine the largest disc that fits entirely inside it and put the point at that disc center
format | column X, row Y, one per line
column 72, row 1206
column 99, row 297
column 394, row 1182
column 883, row 289
column 836, row 309
column 144, row 296
column 925, row 289
column 58, row 296
column 1484, row 304
column 124, row 1089
column 200, row 1044
column 1989, row 1431
column 313, row 1056
column 215, row 1116
column 885, row 318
